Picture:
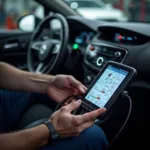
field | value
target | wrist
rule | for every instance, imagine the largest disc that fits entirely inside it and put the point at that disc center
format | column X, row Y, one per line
column 49, row 85
column 46, row 135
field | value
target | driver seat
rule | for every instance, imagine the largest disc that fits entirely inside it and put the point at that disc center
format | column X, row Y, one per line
column 34, row 116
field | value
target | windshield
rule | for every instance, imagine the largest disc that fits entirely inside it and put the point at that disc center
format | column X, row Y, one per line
column 106, row 10
column 112, row 10
column 84, row 4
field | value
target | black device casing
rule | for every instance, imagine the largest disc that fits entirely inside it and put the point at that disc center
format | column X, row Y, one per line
column 89, row 106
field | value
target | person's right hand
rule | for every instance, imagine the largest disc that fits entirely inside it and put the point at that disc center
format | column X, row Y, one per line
column 68, row 125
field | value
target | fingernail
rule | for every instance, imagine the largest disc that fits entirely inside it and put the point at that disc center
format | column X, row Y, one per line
column 103, row 109
column 82, row 89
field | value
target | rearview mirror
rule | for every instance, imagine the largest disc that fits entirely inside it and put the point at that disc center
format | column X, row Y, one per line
column 28, row 23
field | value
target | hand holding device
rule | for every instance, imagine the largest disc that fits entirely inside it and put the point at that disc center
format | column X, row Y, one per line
column 107, row 86
column 67, row 125
column 62, row 86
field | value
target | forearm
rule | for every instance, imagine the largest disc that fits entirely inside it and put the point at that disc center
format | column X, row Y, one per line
column 30, row 139
column 17, row 80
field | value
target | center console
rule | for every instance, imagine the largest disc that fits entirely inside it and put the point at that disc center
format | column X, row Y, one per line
column 98, row 54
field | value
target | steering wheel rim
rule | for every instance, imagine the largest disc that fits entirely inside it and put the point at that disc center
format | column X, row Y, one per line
column 43, row 47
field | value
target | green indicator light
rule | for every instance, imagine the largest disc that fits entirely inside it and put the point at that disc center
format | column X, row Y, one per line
column 75, row 46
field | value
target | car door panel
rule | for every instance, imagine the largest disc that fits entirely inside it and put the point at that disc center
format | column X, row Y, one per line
column 13, row 47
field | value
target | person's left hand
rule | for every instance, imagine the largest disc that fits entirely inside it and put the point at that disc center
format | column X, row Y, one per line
column 63, row 86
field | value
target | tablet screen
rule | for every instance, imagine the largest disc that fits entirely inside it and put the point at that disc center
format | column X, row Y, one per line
column 106, row 86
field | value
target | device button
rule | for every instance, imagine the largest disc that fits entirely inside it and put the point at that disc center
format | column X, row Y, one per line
column 85, row 107
column 100, row 61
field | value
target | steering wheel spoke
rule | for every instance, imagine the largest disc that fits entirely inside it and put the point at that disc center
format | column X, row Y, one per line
column 56, row 49
column 36, row 46
column 42, row 67
column 39, row 68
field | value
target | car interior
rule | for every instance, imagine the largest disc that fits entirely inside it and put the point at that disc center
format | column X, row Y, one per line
column 66, row 43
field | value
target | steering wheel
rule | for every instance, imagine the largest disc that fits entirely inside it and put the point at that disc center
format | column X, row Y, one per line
column 50, row 53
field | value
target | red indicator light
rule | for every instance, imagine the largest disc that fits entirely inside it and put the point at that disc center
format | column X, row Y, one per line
column 92, row 48
column 120, row 37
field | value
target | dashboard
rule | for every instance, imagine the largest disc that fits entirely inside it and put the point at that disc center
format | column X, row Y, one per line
column 100, row 41
column 84, row 38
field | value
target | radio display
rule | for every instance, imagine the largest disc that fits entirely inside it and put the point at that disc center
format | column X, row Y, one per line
column 122, row 37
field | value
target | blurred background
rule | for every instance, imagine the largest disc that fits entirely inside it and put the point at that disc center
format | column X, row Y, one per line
column 12, row 10
column 132, row 10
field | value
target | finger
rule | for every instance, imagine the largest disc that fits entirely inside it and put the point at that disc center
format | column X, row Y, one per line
column 75, row 92
column 76, row 84
column 78, row 120
column 85, row 88
column 69, row 101
column 93, row 114
column 81, row 88
column 73, row 105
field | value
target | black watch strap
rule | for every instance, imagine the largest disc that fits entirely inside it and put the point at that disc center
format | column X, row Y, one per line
column 53, row 133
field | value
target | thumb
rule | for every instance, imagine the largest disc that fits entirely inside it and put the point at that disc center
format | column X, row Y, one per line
column 74, row 105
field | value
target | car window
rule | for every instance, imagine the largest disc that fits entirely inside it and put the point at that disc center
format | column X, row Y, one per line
column 12, row 10
column 83, row 4
column 112, row 10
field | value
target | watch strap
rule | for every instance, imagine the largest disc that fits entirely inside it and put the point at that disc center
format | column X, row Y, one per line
column 53, row 133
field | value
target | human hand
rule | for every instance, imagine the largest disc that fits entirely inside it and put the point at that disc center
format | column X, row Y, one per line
column 63, row 86
column 69, row 125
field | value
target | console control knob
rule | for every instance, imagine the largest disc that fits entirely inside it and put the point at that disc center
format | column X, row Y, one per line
column 92, row 54
column 118, row 54
column 88, row 79
column 100, row 61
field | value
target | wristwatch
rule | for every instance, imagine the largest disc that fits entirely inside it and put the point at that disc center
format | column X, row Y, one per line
column 53, row 133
